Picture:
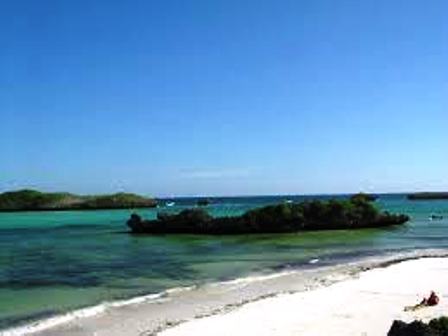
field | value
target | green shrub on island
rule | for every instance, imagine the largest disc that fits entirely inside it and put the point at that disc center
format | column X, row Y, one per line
column 30, row 199
column 118, row 200
column 354, row 213
column 435, row 327
column 203, row 202
column 24, row 200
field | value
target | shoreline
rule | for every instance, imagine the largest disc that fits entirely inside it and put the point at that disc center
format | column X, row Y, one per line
column 364, row 305
column 238, row 293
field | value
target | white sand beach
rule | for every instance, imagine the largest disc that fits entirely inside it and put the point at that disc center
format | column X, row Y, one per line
column 330, row 301
column 365, row 306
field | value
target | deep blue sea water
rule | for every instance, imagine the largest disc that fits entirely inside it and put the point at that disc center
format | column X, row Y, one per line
column 53, row 262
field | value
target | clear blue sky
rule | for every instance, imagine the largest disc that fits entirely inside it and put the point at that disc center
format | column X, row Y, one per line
column 224, row 97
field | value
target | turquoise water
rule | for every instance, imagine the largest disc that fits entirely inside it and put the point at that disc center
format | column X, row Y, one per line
column 52, row 262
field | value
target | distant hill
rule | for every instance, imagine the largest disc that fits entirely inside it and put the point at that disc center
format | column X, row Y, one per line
column 428, row 196
column 27, row 200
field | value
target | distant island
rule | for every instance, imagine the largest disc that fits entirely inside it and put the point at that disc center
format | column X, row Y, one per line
column 428, row 196
column 354, row 213
column 203, row 202
column 33, row 200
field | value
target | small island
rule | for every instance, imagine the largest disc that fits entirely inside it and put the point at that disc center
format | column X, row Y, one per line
column 355, row 213
column 428, row 196
column 33, row 200
column 203, row 202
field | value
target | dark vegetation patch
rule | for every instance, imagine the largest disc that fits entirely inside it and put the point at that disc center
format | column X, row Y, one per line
column 354, row 213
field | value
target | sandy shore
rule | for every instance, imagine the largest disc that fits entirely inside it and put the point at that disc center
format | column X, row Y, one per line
column 326, row 300
column 366, row 305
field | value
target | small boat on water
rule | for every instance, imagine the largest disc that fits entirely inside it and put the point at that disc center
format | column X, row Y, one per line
column 170, row 204
column 435, row 217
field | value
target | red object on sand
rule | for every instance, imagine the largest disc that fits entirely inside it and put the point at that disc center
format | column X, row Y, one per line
column 432, row 300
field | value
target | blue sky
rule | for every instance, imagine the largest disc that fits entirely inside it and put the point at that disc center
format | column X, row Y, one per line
column 224, row 97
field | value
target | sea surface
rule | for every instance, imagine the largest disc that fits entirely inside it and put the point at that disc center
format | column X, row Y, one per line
column 55, row 262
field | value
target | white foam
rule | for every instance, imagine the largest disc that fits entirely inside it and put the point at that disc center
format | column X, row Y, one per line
column 54, row 321
column 253, row 278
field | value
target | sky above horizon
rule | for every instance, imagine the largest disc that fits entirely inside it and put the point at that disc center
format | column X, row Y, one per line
column 224, row 97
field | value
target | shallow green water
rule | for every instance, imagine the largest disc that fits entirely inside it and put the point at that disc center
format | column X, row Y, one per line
column 52, row 262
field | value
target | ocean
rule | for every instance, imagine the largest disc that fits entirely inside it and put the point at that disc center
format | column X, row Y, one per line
column 52, row 263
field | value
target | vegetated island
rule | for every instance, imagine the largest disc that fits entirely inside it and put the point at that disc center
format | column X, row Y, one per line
column 33, row 200
column 428, row 196
column 354, row 213
column 203, row 202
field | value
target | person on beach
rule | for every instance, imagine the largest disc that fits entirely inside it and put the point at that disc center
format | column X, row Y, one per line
column 432, row 300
